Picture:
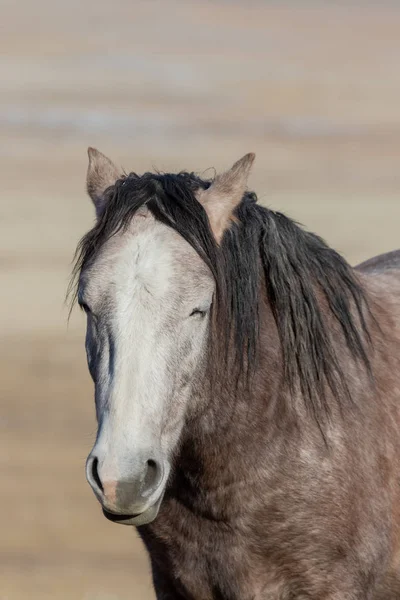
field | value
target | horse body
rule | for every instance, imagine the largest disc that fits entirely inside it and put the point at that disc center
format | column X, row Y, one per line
column 321, row 520
column 247, row 392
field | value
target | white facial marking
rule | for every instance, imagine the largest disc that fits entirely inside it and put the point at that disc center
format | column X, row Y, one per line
column 144, row 344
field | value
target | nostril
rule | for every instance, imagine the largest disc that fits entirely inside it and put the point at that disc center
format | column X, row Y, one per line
column 95, row 474
column 152, row 464
column 152, row 478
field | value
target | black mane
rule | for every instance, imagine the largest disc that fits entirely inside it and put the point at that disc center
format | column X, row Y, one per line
column 262, row 248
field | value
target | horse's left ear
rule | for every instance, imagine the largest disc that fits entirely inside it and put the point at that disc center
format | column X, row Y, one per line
column 101, row 174
column 225, row 193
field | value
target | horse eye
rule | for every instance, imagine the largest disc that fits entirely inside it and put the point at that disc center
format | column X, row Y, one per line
column 197, row 311
column 84, row 307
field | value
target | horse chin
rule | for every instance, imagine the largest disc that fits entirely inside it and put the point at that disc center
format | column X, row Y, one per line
column 143, row 518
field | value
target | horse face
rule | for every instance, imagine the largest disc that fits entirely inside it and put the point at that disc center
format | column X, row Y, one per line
column 148, row 298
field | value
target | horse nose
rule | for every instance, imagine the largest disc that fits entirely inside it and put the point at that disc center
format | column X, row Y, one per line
column 127, row 493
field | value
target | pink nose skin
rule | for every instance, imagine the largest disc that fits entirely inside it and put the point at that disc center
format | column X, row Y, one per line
column 110, row 493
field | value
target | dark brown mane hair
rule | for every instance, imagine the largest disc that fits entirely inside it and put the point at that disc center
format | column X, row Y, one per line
column 262, row 249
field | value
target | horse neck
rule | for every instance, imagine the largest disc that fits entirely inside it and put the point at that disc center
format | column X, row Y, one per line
column 235, row 429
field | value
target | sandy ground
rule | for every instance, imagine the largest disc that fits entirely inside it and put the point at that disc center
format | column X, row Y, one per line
column 312, row 88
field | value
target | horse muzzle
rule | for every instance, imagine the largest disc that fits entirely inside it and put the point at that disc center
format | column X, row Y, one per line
column 133, row 498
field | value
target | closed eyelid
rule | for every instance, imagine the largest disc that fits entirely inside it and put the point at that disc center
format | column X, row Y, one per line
column 199, row 311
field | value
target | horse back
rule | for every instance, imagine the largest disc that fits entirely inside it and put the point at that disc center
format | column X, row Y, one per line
column 380, row 277
column 381, row 263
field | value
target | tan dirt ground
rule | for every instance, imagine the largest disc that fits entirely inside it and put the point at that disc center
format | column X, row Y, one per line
column 313, row 88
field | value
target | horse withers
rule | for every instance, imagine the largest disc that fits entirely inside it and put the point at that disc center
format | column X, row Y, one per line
column 247, row 388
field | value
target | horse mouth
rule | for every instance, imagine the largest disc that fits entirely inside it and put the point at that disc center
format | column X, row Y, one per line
column 135, row 520
column 118, row 518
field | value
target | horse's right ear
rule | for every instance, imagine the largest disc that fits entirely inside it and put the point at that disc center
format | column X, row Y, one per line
column 101, row 174
column 225, row 193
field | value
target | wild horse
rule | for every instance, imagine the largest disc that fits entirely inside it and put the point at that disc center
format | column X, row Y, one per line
column 247, row 386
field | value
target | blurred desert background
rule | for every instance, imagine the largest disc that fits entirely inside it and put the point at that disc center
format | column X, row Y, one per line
column 312, row 88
